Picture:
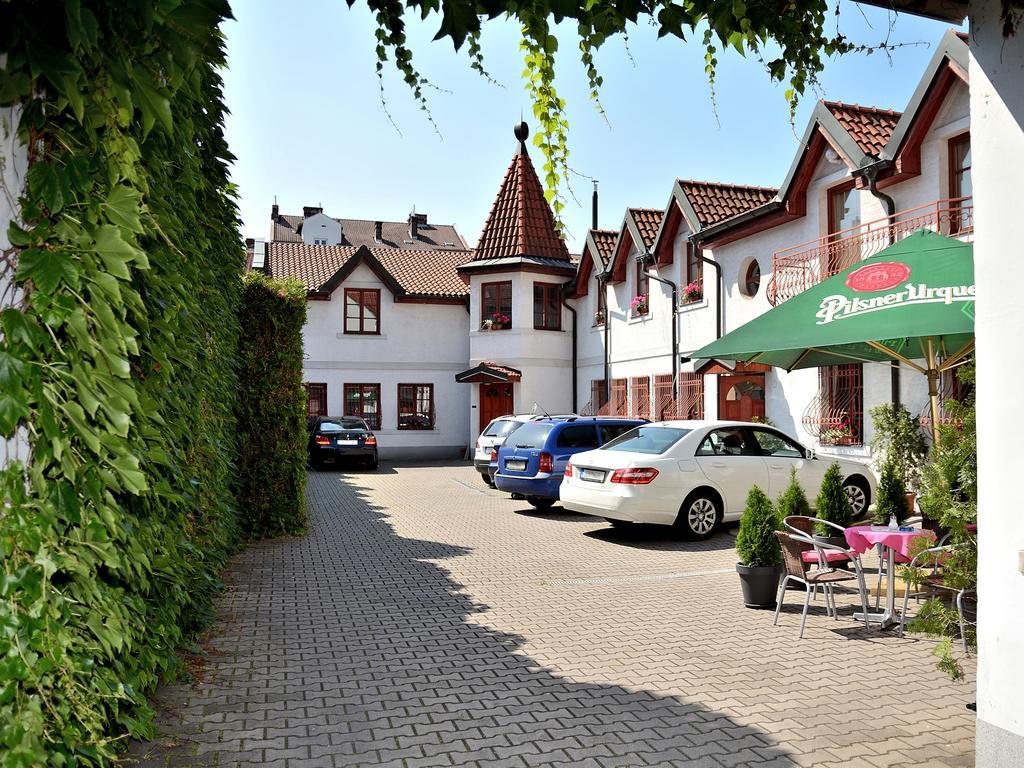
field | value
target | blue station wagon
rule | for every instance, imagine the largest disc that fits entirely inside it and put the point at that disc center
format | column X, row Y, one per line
column 533, row 458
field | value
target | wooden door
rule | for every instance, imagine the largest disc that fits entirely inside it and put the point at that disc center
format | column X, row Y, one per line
column 495, row 401
column 740, row 398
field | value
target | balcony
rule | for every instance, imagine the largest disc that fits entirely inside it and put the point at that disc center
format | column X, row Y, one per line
column 797, row 268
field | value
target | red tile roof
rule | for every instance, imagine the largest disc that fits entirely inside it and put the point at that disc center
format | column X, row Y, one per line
column 520, row 222
column 714, row 202
column 870, row 127
column 604, row 240
column 417, row 272
column 647, row 221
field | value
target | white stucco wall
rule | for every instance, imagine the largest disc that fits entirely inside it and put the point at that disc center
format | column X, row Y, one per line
column 418, row 344
column 997, row 136
column 544, row 357
column 13, row 166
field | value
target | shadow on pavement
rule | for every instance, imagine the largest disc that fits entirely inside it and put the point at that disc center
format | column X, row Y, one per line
column 351, row 646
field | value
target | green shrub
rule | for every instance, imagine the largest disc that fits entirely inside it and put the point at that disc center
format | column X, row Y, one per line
column 271, row 407
column 898, row 440
column 832, row 504
column 117, row 365
column 892, row 496
column 756, row 543
column 793, row 500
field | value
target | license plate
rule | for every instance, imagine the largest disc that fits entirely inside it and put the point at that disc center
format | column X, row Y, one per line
column 515, row 466
column 592, row 475
column 348, row 442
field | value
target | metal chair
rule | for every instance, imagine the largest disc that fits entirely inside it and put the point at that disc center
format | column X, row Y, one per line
column 793, row 547
column 933, row 557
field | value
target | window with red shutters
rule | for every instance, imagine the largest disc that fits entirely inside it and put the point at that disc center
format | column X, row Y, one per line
column 316, row 399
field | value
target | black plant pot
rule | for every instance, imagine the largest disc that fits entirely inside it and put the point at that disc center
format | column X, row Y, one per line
column 760, row 584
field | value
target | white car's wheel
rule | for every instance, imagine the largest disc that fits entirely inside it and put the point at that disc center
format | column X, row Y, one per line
column 858, row 494
column 699, row 516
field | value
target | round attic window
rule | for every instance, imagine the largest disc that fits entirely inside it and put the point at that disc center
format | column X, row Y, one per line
column 751, row 282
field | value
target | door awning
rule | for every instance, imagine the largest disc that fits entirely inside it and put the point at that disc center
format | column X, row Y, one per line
column 488, row 373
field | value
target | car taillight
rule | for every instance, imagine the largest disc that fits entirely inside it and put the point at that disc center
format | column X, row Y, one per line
column 321, row 440
column 568, row 470
column 494, row 454
column 369, row 440
column 637, row 476
column 546, row 463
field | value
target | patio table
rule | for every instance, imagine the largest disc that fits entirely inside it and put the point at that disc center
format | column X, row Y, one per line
column 861, row 538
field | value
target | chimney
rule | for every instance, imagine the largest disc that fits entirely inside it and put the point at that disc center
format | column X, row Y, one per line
column 274, row 212
column 594, row 207
column 310, row 210
column 378, row 231
column 416, row 220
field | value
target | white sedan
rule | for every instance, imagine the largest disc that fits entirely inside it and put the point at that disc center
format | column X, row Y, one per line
column 696, row 474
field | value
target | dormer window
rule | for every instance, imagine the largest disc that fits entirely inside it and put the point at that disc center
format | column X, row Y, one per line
column 319, row 241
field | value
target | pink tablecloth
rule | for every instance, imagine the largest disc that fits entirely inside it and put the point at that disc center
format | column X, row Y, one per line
column 862, row 538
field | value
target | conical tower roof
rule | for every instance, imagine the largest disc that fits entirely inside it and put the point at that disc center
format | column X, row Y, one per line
column 520, row 224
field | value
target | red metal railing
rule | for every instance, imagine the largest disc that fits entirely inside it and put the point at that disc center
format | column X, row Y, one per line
column 797, row 268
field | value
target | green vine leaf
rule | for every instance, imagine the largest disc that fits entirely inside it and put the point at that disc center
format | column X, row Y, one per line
column 47, row 269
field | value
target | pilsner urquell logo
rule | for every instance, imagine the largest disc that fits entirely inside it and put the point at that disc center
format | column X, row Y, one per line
column 872, row 278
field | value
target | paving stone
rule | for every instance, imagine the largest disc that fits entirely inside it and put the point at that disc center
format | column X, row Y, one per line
column 424, row 620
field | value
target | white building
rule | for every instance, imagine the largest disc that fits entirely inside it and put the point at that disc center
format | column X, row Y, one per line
column 518, row 325
column 386, row 329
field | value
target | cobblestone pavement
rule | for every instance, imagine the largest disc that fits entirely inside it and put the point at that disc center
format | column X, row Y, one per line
column 428, row 621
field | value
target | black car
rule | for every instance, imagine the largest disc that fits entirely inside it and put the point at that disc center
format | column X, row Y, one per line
column 333, row 438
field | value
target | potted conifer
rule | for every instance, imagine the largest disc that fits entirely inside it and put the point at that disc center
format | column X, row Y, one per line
column 832, row 505
column 759, row 551
column 892, row 496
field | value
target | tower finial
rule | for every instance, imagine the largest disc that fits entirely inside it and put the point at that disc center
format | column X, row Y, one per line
column 522, row 131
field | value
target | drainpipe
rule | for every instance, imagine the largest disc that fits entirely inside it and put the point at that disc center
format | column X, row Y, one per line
column 719, row 288
column 603, row 286
column 575, row 401
column 871, row 176
column 675, row 323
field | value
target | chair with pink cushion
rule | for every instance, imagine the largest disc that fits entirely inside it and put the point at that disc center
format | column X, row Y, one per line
column 825, row 575
column 804, row 526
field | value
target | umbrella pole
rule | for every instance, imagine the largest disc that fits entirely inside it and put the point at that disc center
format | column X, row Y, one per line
column 933, row 389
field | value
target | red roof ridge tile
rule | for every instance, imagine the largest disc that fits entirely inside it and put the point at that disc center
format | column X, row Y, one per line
column 860, row 108
column 727, row 184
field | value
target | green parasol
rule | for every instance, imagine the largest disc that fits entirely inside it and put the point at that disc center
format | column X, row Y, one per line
column 912, row 302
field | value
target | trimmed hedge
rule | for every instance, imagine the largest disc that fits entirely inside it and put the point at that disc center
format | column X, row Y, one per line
column 118, row 365
column 272, row 407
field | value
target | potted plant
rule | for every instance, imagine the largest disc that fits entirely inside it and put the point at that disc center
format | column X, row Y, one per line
column 496, row 322
column 638, row 306
column 832, row 505
column 692, row 292
column 759, row 552
column 842, row 434
column 892, row 496
column 898, row 440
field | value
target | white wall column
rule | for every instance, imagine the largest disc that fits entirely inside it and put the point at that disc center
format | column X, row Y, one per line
column 997, row 146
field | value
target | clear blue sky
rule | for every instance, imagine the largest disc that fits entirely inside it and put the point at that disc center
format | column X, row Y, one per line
column 307, row 123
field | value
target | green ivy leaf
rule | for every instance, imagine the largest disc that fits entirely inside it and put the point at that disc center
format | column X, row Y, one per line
column 115, row 252
column 153, row 104
column 46, row 181
column 122, row 207
column 13, row 408
column 47, row 269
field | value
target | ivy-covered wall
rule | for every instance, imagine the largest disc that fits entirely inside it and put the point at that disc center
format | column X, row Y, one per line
column 118, row 362
column 271, row 407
